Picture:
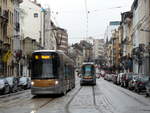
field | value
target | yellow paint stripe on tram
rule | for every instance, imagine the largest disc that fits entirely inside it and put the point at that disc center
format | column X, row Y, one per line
column 43, row 83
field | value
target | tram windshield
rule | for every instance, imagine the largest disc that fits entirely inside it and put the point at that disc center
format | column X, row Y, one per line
column 88, row 70
column 45, row 65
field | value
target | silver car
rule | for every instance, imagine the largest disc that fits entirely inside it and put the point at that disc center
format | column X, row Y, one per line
column 148, row 88
column 4, row 86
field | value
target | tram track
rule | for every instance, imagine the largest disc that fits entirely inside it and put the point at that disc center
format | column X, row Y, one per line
column 42, row 105
column 69, row 102
column 94, row 101
column 102, row 108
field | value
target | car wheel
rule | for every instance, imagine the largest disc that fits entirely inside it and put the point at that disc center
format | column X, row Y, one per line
column 129, row 88
column 121, row 84
column 6, row 90
column 13, row 89
column 138, row 91
column 147, row 95
column 135, row 89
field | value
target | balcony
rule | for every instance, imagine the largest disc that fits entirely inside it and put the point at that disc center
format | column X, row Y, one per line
column 6, row 46
column 4, row 15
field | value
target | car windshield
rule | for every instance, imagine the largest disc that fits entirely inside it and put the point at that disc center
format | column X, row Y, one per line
column 145, row 78
column 10, row 80
column 130, row 76
column 23, row 79
column 1, row 81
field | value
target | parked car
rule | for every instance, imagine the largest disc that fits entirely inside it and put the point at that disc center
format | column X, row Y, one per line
column 109, row 78
column 122, row 79
column 141, row 83
column 103, row 73
column 13, row 83
column 119, row 78
column 128, row 77
column 106, row 76
column 114, row 78
column 4, row 86
column 148, row 87
column 25, row 82
column 132, row 82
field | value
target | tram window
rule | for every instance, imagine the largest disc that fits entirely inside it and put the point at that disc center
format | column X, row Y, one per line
column 87, row 70
column 45, row 66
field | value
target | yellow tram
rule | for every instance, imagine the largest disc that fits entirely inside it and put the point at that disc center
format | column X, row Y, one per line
column 52, row 72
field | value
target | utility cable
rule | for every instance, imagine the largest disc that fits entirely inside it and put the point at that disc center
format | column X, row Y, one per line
column 87, row 18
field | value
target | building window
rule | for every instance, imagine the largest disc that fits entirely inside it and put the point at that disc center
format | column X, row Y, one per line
column 12, row 18
column 35, row 15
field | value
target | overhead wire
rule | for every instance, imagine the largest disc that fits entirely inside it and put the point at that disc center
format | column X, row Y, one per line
column 87, row 18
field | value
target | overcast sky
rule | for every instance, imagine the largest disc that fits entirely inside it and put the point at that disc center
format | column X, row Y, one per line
column 71, row 15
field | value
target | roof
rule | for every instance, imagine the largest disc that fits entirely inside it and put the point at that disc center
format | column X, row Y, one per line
column 87, row 63
column 34, row 2
column 134, row 5
column 55, row 51
column 59, row 51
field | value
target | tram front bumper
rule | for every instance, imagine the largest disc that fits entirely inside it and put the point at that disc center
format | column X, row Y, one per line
column 86, row 81
column 46, row 90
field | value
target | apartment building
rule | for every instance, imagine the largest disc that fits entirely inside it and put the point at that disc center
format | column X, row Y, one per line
column 141, row 34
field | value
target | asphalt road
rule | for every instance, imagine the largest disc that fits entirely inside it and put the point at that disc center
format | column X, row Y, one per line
column 105, row 97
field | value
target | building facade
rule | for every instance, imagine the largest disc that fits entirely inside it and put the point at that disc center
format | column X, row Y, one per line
column 62, row 39
column 140, row 35
column 126, row 23
column 31, row 22
column 29, row 45
column 16, row 48
column 116, row 50
column 98, row 48
column 112, row 26
column 48, row 34
column 6, row 36
column 126, row 41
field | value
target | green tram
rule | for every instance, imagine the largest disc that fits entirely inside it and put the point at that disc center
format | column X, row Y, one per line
column 88, row 74
column 52, row 72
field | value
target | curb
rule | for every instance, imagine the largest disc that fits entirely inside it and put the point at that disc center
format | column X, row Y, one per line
column 13, row 94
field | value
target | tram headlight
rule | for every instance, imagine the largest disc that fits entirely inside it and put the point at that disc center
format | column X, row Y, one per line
column 56, row 82
column 32, row 83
